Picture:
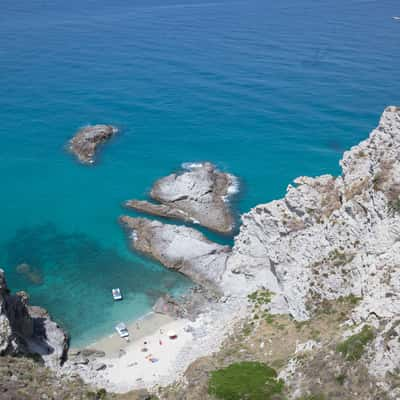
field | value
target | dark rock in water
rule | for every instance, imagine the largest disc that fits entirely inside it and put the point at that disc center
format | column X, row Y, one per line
column 179, row 248
column 27, row 329
column 167, row 305
column 31, row 273
column 84, row 144
column 197, row 195
column 92, row 353
column 188, row 306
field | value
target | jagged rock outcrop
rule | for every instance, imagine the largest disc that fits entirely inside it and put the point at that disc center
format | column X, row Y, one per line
column 179, row 248
column 331, row 237
column 86, row 141
column 27, row 329
column 197, row 195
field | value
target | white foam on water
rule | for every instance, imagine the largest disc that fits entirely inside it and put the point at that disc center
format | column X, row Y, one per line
column 133, row 235
column 234, row 187
column 190, row 166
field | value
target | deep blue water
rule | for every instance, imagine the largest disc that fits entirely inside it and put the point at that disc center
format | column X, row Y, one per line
column 267, row 90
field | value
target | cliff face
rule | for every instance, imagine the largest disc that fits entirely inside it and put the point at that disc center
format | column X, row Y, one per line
column 28, row 330
column 331, row 237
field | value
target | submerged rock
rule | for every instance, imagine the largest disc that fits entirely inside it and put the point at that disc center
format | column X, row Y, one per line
column 179, row 248
column 31, row 273
column 84, row 144
column 196, row 195
column 167, row 305
column 27, row 329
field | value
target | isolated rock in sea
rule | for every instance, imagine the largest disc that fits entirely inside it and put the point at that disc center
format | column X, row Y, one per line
column 332, row 237
column 179, row 248
column 198, row 195
column 27, row 329
column 84, row 144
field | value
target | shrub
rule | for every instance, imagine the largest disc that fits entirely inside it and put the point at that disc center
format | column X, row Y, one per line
column 260, row 297
column 353, row 347
column 394, row 207
column 101, row 394
column 246, row 380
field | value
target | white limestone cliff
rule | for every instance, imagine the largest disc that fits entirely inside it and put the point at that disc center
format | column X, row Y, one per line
column 331, row 237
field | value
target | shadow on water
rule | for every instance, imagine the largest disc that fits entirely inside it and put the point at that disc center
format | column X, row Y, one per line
column 78, row 274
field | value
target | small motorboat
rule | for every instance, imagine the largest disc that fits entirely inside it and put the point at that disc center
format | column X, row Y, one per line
column 122, row 330
column 116, row 293
column 396, row 18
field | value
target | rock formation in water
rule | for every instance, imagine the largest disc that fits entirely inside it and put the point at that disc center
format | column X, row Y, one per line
column 197, row 195
column 179, row 248
column 32, row 274
column 331, row 237
column 28, row 330
column 86, row 141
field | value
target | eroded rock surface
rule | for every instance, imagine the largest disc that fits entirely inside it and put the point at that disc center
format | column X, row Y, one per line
column 331, row 237
column 27, row 329
column 86, row 141
column 198, row 195
column 179, row 248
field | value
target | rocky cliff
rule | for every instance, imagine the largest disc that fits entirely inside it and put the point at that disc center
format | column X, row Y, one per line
column 28, row 330
column 332, row 237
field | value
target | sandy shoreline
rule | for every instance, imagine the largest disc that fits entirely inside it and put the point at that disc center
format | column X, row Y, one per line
column 150, row 324
column 126, row 366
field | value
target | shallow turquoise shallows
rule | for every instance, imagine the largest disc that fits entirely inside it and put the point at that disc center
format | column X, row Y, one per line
column 267, row 90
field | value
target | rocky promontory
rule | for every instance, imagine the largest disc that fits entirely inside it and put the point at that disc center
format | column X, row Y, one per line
column 179, row 248
column 198, row 195
column 86, row 141
column 28, row 330
column 331, row 238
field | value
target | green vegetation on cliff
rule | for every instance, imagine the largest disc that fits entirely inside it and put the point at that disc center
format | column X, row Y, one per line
column 245, row 380
column 353, row 347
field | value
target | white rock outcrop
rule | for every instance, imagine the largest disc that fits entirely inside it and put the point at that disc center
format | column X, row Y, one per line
column 331, row 237
column 179, row 248
column 198, row 194
column 28, row 330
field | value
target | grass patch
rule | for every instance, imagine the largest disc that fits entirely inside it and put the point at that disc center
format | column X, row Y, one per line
column 350, row 299
column 393, row 207
column 353, row 347
column 340, row 379
column 246, row 380
column 260, row 297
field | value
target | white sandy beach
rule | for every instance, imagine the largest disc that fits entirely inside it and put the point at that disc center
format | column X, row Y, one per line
column 129, row 367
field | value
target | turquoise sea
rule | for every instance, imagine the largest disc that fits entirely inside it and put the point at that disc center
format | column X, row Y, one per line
column 266, row 90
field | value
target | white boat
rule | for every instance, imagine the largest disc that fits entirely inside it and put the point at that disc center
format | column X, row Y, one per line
column 122, row 330
column 116, row 293
column 396, row 18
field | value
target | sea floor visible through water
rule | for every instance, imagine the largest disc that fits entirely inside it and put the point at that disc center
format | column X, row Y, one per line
column 265, row 90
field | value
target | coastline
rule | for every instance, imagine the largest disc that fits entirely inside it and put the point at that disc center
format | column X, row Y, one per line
column 125, row 366
column 144, row 326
